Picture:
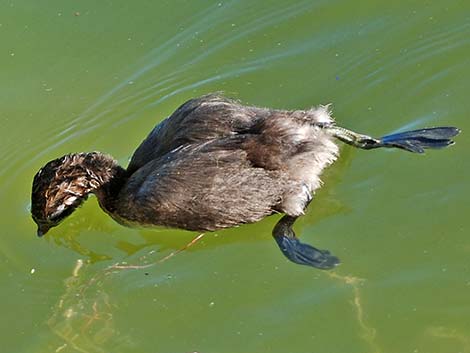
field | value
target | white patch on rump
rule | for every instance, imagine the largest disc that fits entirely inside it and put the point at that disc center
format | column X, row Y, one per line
column 322, row 114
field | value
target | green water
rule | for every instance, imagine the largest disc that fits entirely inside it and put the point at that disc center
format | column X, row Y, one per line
column 98, row 75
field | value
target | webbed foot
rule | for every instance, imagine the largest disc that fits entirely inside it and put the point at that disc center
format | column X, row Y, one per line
column 418, row 140
column 298, row 252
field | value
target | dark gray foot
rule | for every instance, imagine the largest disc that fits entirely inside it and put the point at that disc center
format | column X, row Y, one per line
column 298, row 252
column 418, row 140
column 413, row 141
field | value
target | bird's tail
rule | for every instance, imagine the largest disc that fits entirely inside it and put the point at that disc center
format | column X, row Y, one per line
column 413, row 141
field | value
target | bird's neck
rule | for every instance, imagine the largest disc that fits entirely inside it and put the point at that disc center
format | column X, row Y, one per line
column 109, row 178
column 93, row 172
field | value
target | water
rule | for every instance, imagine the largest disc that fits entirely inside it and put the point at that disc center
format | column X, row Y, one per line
column 99, row 75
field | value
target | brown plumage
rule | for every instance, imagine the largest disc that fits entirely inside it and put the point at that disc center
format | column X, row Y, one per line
column 213, row 164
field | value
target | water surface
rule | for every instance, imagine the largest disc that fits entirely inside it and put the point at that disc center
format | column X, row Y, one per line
column 99, row 75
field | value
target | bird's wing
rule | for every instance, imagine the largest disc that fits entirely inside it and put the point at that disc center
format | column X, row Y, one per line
column 198, row 120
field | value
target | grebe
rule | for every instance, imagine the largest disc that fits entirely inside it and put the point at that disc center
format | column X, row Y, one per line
column 213, row 164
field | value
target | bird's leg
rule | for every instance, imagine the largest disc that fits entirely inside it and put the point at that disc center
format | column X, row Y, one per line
column 298, row 252
column 353, row 138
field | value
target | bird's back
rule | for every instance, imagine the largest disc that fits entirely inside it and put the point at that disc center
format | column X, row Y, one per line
column 198, row 120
